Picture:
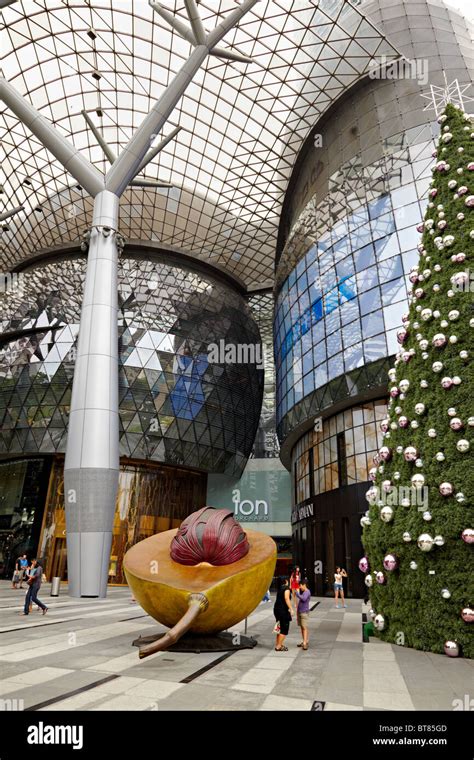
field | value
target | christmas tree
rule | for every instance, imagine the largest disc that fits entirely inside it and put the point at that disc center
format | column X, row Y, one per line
column 418, row 532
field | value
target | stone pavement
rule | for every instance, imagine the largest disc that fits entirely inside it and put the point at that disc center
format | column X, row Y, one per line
column 79, row 657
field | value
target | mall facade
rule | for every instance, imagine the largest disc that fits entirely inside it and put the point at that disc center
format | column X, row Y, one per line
column 292, row 234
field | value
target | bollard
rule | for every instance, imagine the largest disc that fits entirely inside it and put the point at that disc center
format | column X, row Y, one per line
column 55, row 586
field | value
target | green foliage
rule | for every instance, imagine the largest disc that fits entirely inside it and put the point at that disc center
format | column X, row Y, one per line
column 411, row 600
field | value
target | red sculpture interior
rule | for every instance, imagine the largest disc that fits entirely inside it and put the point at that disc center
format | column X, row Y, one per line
column 209, row 535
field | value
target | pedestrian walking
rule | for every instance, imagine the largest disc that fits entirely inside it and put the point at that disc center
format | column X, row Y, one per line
column 22, row 566
column 34, row 585
column 283, row 612
column 303, row 596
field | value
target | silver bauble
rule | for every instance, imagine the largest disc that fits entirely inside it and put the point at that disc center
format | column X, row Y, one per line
column 379, row 622
column 386, row 514
column 425, row 542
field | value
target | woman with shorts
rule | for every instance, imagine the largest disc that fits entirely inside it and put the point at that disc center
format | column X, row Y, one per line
column 283, row 611
column 338, row 588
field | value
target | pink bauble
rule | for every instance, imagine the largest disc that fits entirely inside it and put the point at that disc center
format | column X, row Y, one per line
column 385, row 454
column 387, row 486
column 402, row 335
column 372, row 473
column 439, row 340
column 406, row 356
column 390, row 562
column 447, row 383
column 394, row 392
column 410, row 454
column 468, row 535
column 456, row 423
column 384, row 426
column 380, row 578
column 364, row 565
column 419, row 293
column 452, row 648
column 467, row 614
column 446, row 489
column 403, row 422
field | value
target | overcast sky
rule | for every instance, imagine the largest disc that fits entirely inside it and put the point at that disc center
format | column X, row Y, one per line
column 465, row 6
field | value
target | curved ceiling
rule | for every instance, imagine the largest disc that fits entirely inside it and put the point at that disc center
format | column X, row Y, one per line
column 242, row 124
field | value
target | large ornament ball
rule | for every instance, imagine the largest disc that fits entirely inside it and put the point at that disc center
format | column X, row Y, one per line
column 446, row 489
column 385, row 454
column 452, row 411
column 420, row 408
column 368, row 580
column 418, row 480
column 439, row 340
column 447, row 383
column 404, row 385
column 364, row 564
column 439, row 456
column 468, row 535
column 456, row 423
column 386, row 514
column 379, row 622
column 431, row 433
column 462, row 445
column 425, row 542
column 427, row 516
column 410, row 453
column 406, row 537
column 467, row 614
column 390, row 562
column 439, row 540
column 446, row 593
column 452, row 648
column 437, row 366
column 380, row 578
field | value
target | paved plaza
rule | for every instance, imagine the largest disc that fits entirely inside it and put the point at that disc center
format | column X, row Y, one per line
column 80, row 657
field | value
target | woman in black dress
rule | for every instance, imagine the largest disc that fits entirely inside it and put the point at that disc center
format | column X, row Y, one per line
column 283, row 611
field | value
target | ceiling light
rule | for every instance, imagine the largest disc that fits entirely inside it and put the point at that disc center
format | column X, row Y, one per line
column 91, row 33
column 96, row 75
column 99, row 112
column 28, row 182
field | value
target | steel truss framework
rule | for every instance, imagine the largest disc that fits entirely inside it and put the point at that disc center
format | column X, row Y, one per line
column 242, row 124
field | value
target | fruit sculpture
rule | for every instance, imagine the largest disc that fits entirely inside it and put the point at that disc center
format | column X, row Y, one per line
column 204, row 577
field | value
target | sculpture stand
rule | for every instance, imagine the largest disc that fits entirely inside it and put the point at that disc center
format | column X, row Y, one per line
column 198, row 643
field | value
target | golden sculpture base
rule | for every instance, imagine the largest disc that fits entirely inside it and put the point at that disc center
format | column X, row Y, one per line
column 198, row 643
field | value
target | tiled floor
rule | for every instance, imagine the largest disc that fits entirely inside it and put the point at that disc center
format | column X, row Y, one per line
column 80, row 657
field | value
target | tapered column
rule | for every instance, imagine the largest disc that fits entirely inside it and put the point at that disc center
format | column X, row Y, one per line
column 92, row 456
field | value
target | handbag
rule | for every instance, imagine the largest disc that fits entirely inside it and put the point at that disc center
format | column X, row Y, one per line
column 277, row 627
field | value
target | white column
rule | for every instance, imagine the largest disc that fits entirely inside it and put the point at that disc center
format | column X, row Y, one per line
column 92, row 456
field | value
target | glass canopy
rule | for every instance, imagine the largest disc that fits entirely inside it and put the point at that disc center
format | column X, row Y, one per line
column 242, row 124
